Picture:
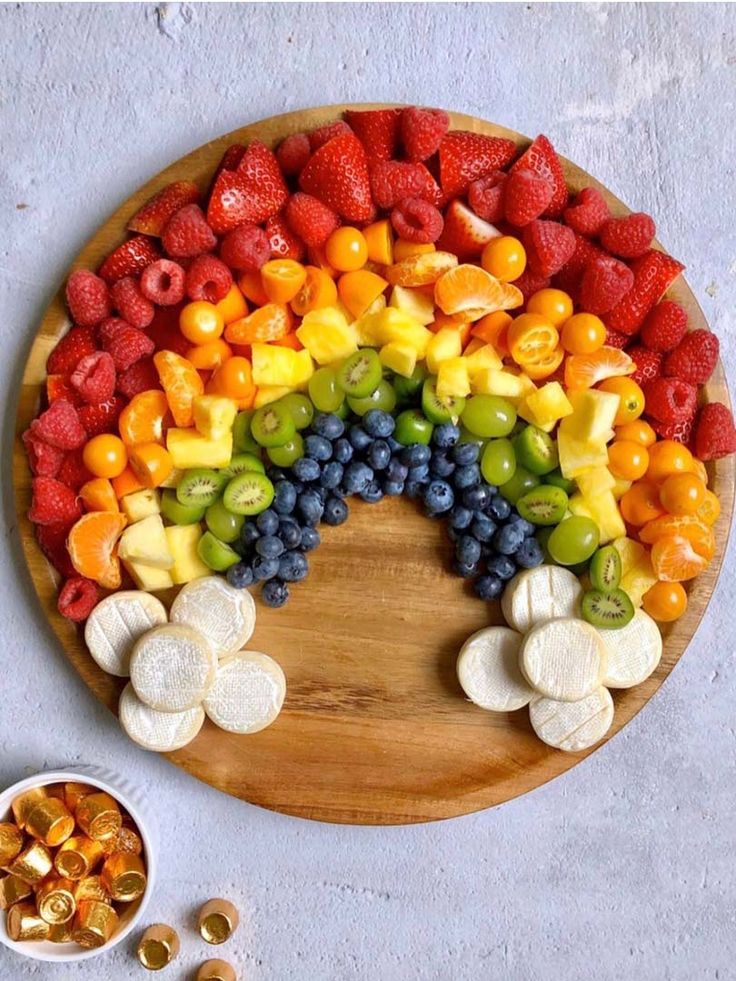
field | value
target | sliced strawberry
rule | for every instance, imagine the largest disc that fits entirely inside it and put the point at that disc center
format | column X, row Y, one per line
column 337, row 174
column 654, row 273
column 422, row 131
column 230, row 160
column 542, row 158
column 466, row 157
column 465, row 233
column 102, row 418
column 284, row 243
column 60, row 387
column 377, row 130
column 252, row 193
column 151, row 218
column 129, row 259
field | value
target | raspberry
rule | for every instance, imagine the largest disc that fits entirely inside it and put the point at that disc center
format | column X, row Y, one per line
column 70, row 350
column 323, row 134
column 422, row 131
column 695, row 357
column 605, row 281
column 187, row 233
column 417, row 221
column 648, row 363
column 103, row 418
column 87, row 297
column 394, row 180
column 129, row 259
column 485, row 196
column 52, row 540
column 628, row 237
column 208, row 278
column 140, row 377
column 72, row 472
column 43, row 459
column 284, row 243
column 94, row 377
column 293, row 153
column 526, row 195
column 530, row 283
column 670, row 400
column 130, row 303
column 665, row 326
column 245, row 248
column 310, row 219
column 715, row 434
column 615, row 339
column 59, row 426
column 588, row 212
column 77, row 599
column 124, row 343
column 52, row 502
column 571, row 274
column 163, row 283
column 548, row 246
column 680, row 431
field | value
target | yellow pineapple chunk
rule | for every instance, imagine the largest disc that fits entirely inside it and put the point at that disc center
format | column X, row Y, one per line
column 189, row 449
column 445, row 344
column 303, row 368
column 637, row 575
column 183, row 541
column 214, row 415
column 269, row 393
column 548, row 405
column 579, row 507
column 140, row 504
column 593, row 414
column 481, row 357
column 145, row 543
column 327, row 335
column 486, row 381
column 274, row 365
column 399, row 358
column 417, row 304
column 577, row 455
column 620, row 487
column 452, row 378
column 148, row 577
column 604, row 511
column 594, row 481
column 397, row 325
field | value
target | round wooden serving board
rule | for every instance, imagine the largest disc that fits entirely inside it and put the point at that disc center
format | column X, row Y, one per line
column 375, row 728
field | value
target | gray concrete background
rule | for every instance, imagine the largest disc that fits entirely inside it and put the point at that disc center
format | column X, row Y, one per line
column 624, row 867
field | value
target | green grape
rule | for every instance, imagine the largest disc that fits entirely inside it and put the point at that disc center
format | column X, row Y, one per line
column 574, row 540
column 343, row 410
column 467, row 437
column 301, row 409
column 324, row 391
column 521, row 482
column 284, row 456
column 413, row 427
column 243, row 441
column 178, row 513
column 222, row 523
column 498, row 462
column 557, row 480
column 407, row 389
column 489, row 415
column 384, row 398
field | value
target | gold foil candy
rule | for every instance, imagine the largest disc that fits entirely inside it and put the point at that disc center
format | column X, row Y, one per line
column 158, row 946
column 24, row 923
column 98, row 815
column 124, row 876
column 95, row 923
column 61, row 933
column 12, row 890
column 33, row 864
column 218, row 920
column 78, row 857
column 11, row 842
column 74, row 792
column 55, row 900
column 128, row 840
column 216, row 970
column 25, row 802
column 91, row 887
column 50, row 821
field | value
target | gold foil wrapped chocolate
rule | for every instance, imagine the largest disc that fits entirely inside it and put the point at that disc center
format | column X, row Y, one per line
column 124, row 877
column 50, row 821
column 61, row 933
column 91, row 887
column 11, row 842
column 216, row 970
column 12, row 890
column 158, row 946
column 55, row 900
column 24, row 923
column 73, row 792
column 98, row 815
column 33, row 864
column 128, row 840
column 78, row 857
column 24, row 803
column 95, row 923
column 218, row 920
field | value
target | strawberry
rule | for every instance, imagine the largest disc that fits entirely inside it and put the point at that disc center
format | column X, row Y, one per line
column 208, row 278
column 87, row 297
column 52, row 502
column 670, row 400
column 52, row 540
column 261, row 170
column 485, row 196
column 246, row 248
column 70, row 350
column 310, row 219
column 59, row 387
column 165, row 333
column 252, row 193
column 466, row 157
column 394, row 180
column 377, row 130
column 77, row 599
column 151, row 218
column 129, row 259
column 664, row 327
column 124, row 343
column 715, row 434
column 292, row 153
column 284, row 244
column 571, row 274
column 422, row 131
column 541, row 158
column 323, row 134
column 337, row 174
column 530, row 283
column 654, row 273
column 616, row 339
column 628, row 237
column 43, row 459
column 648, row 363
column 60, row 426
column 695, row 357
column 164, row 283
column 130, row 303
column 548, row 245
column 588, row 212
column 230, row 160
column 94, row 377
column 140, row 377
column 415, row 220
column 103, row 418
column 605, row 281
column 72, row 471
column 680, row 432
column 464, row 233
column 526, row 195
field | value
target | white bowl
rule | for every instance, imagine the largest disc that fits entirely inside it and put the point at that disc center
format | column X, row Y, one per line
column 130, row 800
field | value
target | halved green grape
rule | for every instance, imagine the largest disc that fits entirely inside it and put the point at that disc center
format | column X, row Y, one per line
column 343, row 410
column 242, row 462
column 498, row 463
column 215, row 554
column 243, row 440
column 413, row 427
column 489, row 416
column 438, row 409
column 521, row 482
column 574, row 540
column 273, row 425
column 300, row 407
column 467, row 437
column 324, row 391
column 360, row 373
column 178, row 513
column 384, row 398
column 407, row 389
column 223, row 523
column 556, row 479
column 284, row 456
column 543, row 505
column 536, row 450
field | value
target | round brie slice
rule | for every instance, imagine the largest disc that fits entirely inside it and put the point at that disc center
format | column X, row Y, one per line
column 161, row 732
column 116, row 623
column 248, row 692
column 563, row 659
column 172, row 668
column 544, row 593
column 572, row 726
column 224, row 615
column 488, row 670
column 634, row 651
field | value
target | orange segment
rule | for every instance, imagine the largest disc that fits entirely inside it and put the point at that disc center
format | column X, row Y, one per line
column 251, row 286
column 282, row 279
column 289, row 340
column 493, row 329
column 207, row 357
column 268, row 323
column 181, row 383
column 126, row 483
column 318, row 291
column 586, row 370
column 318, row 258
column 690, row 527
column 469, row 287
column 142, row 419
column 358, row 289
column 91, row 547
column 380, row 241
column 675, row 560
column 232, row 306
column 98, row 495
column 420, row 270
column 403, row 249
column 151, row 463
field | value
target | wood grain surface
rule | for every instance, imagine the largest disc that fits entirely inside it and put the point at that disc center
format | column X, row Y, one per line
column 375, row 728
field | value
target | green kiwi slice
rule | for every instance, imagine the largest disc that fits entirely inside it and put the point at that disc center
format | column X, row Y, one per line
column 536, row 450
column 610, row 609
column 248, row 493
column 200, row 487
column 360, row 373
column 273, row 424
column 439, row 410
column 543, row 505
column 178, row 513
column 605, row 568
column 242, row 462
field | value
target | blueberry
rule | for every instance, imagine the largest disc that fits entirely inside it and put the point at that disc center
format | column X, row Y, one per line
column 343, row 450
column 466, row 571
column 440, row 465
column 438, row 497
column 414, row 488
column 328, row 425
column 482, row 527
column 393, row 488
column 240, row 575
column 419, row 473
column 465, row 453
column 417, row 455
column 467, row 476
column 336, row 511
column 359, row 438
column 293, row 567
column 378, row 423
column 501, row 566
column 507, row 539
column 372, row 492
column 267, row 522
column 290, row 533
column 299, row 486
column 397, row 472
column 310, row 539
column 250, row 534
column 284, row 500
column 445, row 435
column 275, row 593
column 317, row 447
column 264, row 569
column 269, row 546
column 527, row 528
column 379, row 454
column 339, row 491
column 310, row 507
column 529, row 554
column 276, row 473
column 357, row 476
column 488, row 587
column 477, row 498
column 307, row 469
column 331, row 475
column 394, row 444
column 322, row 493
column 467, row 550
column 460, row 517
column 499, row 508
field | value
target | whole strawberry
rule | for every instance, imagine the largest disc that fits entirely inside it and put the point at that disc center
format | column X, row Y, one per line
column 422, row 131
column 648, row 363
column 87, row 297
column 695, row 357
column 670, row 400
column 548, row 246
column 283, row 242
column 588, row 212
column 151, row 218
column 129, row 259
column 526, row 195
column 605, row 281
column 628, row 237
column 715, row 434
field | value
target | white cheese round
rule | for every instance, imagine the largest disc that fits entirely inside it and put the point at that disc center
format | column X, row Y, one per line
column 172, row 668
column 248, row 692
column 634, row 651
column 572, row 726
column 224, row 615
column 161, row 732
column 563, row 659
column 116, row 623
column 488, row 670
column 540, row 594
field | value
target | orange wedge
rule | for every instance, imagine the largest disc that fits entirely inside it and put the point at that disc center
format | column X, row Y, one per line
column 674, row 559
column 470, row 288
column 181, row 383
column 251, row 286
column 380, row 241
column 689, row 526
column 359, row 288
column 91, row 546
column 586, row 370
column 268, row 323
column 98, row 495
column 421, row 270
column 142, row 419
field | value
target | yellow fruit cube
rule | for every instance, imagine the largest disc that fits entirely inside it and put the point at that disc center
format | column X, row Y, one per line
column 579, row 507
column 638, row 579
column 145, row 543
column 214, row 415
column 173, row 479
column 303, row 368
column 397, row 325
column 148, row 577
column 593, row 414
column 269, row 393
column 594, row 481
column 183, row 541
column 417, row 304
column 577, row 455
column 399, row 358
column 189, row 449
column 620, row 487
column 452, row 378
column 605, row 513
column 445, row 344
column 548, row 405
column 487, row 381
column 482, row 357
column 282, row 366
column 327, row 335
column 631, row 552
column 140, row 504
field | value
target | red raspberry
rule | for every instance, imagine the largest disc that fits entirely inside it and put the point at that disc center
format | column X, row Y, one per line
column 670, row 400
column 130, row 303
column 628, row 237
column 43, row 459
column 680, row 432
column 59, row 426
column 616, row 339
column 526, row 195
column 394, row 180
column 60, row 387
column 140, row 377
column 530, row 283
column 70, row 350
column 163, row 282
column 77, row 599
column 293, row 153
column 653, row 275
column 377, row 130
column 648, row 363
column 187, row 233
column 103, row 418
column 323, row 134
column 548, row 246
column 417, row 221
column 246, row 248
column 485, row 196
column 129, row 259
column 715, row 434
column 588, row 212
column 571, row 274
column 310, row 219
column 87, row 297
column 94, row 377
column 284, row 243
column 665, row 326
column 208, row 278
column 422, row 131
column 72, row 472
column 695, row 357
column 53, row 502
column 605, row 281
column 124, row 343
column 52, row 539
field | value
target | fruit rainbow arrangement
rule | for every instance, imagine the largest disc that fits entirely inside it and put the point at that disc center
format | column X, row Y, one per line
column 381, row 307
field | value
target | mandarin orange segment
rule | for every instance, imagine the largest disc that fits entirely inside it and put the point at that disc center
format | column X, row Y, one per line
column 494, row 329
column 289, row 340
column 268, row 323
column 674, row 559
column 207, row 357
column 233, row 305
column 181, row 383
column 282, row 279
column 690, row 527
column 586, row 370
column 471, row 288
column 404, row 249
column 420, row 270
column 98, row 495
column 358, row 289
column 91, row 546
column 142, row 420
column 317, row 291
